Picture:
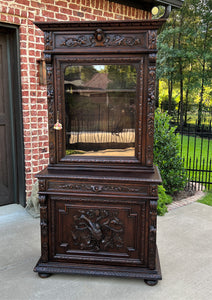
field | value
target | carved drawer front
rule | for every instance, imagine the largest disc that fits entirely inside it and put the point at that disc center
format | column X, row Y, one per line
column 98, row 232
column 98, row 188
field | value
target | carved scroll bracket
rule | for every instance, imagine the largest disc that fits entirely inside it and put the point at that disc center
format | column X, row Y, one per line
column 42, row 200
column 42, row 186
column 48, row 40
column 48, row 58
column 154, row 190
column 152, row 58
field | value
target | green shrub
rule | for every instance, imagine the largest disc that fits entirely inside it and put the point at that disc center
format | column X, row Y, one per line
column 166, row 154
column 163, row 199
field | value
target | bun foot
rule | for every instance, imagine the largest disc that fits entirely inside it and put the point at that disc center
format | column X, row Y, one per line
column 44, row 275
column 151, row 282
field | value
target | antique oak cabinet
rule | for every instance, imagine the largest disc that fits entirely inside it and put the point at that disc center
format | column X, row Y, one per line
column 98, row 195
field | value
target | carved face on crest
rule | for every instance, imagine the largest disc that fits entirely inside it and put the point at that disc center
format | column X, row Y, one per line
column 99, row 36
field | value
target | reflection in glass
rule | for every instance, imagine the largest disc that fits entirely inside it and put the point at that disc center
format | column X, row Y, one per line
column 100, row 110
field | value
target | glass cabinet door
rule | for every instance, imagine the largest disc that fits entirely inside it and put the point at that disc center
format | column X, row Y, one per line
column 100, row 109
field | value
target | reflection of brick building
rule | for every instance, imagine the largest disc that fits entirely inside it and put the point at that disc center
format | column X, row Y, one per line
column 98, row 81
column 22, row 44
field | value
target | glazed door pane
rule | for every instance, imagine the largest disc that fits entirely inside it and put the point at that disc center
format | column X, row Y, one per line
column 100, row 105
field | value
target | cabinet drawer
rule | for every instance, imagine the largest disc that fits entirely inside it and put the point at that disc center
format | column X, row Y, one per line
column 102, row 231
column 98, row 188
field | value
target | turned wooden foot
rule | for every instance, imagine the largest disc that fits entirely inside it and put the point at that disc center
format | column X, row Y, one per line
column 151, row 282
column 44, row 275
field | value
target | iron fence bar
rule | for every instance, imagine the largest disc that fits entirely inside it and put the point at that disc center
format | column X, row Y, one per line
column 198, row 170
column 196, row 175
column 202, row 172
column 189, row 173
column 188, row 146
column 208, row 148
column 204, row 182
column 195, row 140
column 209, row 175
column 201, row 149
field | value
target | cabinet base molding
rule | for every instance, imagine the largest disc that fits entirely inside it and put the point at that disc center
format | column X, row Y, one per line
column 150, row 276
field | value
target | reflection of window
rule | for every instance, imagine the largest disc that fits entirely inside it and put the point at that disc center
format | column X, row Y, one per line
column 100, row 107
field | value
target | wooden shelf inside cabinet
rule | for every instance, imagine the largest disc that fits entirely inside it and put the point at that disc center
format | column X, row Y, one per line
column 98, row 196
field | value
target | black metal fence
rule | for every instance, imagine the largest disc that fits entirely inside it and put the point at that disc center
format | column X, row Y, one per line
column 196, row 152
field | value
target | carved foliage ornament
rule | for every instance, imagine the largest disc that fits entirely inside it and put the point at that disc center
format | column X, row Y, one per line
column 150, row 112
column 99, row 38
column 149, row 154
column 50, row 93
column 97, row 230
column 43, row 221
column 151, row 88
column 152, row 39
column 50, row 98
column 100, row 188
column 150, row 124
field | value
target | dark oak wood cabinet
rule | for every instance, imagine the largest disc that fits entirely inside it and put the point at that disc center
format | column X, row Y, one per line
column 98, row 195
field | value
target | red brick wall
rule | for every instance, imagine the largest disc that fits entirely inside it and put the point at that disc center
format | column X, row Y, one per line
column 24, row 13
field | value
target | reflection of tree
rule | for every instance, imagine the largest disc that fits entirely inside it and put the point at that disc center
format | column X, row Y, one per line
column 121, row 76
column 87, row 73
column 83, row 73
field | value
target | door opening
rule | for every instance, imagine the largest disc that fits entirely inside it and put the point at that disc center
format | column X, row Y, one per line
column 12, row 183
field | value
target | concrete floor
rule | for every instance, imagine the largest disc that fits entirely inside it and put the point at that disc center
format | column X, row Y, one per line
column 185, row 249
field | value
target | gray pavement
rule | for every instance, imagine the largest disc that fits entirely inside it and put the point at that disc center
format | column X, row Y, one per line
column 185, row 248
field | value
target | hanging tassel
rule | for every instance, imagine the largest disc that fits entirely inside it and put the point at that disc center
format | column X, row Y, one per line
column 58, row 125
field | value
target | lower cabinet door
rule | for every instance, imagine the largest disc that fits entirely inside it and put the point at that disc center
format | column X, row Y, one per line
column 98, row 230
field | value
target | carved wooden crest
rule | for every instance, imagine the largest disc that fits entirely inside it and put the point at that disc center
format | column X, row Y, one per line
column 101, row 39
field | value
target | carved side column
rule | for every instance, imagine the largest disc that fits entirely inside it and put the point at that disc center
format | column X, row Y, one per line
column 51, row 112
column 44, row 228
column 152, row 34
column 50, row 94
column 152, row 233
column 43, row 222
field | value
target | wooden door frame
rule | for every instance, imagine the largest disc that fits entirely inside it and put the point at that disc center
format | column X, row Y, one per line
column 13, row 50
